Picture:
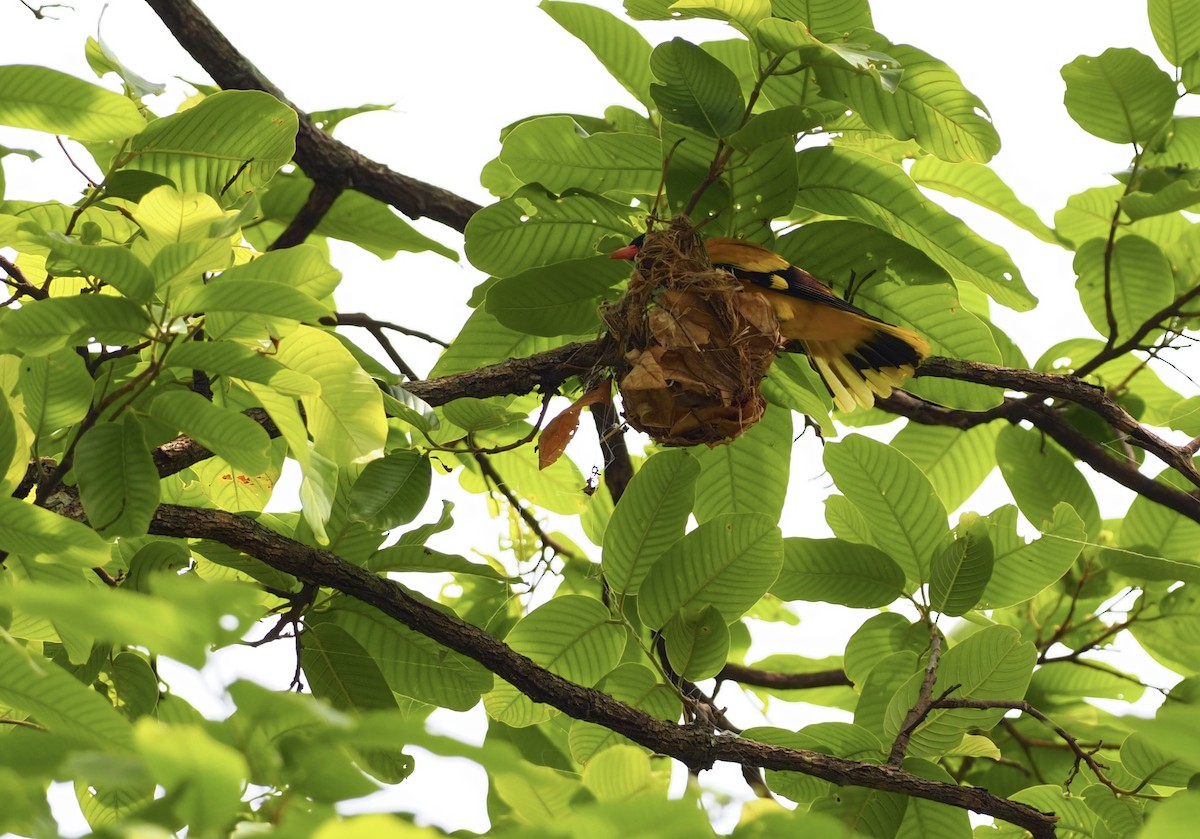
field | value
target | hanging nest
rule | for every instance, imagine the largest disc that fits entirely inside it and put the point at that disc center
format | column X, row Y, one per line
column 695, row 346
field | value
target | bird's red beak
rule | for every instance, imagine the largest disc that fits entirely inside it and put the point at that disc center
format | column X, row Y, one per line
column 627, row 252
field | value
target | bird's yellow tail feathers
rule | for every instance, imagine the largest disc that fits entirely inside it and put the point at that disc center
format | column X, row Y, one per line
column 857, row 369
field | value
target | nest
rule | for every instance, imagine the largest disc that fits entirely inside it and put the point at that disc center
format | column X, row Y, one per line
column 695, row 346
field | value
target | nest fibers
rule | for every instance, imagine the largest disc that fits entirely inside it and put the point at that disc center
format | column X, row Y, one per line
column 695, row 345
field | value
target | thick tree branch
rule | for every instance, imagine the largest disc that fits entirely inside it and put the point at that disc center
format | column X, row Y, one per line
column 783, row 681
column 696, row 748
column 323, row 158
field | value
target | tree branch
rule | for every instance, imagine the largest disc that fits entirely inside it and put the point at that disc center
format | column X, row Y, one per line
column 776, row 680
column 323, row 158
column 692, row 746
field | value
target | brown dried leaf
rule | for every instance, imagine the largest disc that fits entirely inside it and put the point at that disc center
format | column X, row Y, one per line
column 559, row 431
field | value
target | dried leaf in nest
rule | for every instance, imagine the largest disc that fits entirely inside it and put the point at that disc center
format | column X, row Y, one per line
column 695, row 344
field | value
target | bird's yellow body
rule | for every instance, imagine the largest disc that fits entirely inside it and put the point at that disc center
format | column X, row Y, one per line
column 857, row 355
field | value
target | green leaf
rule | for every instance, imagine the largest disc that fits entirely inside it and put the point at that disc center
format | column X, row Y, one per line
column 697, row 645
column 413, row 664
column 1064, row 682
column 42, row 326
column 182, row 265
column 53, row 102
column 1022, row 570
column 251, row 297
column 697, row 90
column 57, row 389
column 925, row 817
column 392, row 490
column 555, row 152
column 558, row 299
column 904, row 515
column 118, row 481
column 729, row 562
column 1040, row 475
column 571, row 635
column 956, row 462
column 993, row 663
column 339, row 671
column 113, row 264
column 1140, row 283
column 60, row 702
column 235, row 437
column 1120, row 95
column 1176, row 28
column 221, row 358
column 1163, row 531
column 354, row 217
column 649, row 518
column 203, row 776
column 852, row 184
column 981, row 185
column 40, row 535
column 750, row 475
column 484, row 340
column 227, row 145
column 835, row 60
column 533, row 227
column 776, row 124
column 618, row 46
column 929, row 103
column 961, row 571
column 858, row 576
column 346, row 418
column 825, row 15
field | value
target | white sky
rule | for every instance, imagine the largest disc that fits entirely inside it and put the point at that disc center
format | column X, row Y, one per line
column 458, row 72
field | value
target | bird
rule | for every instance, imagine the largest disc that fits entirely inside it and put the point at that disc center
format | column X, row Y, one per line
column 857, row 355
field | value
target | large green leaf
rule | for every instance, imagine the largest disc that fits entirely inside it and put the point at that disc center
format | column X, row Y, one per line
column 339, row 671
column 221, row 358
column 53, row 102
column 697, row 90
column 981, row 185
column 825, row 15
column 1176, row 28
column 413, row 664
column 728, row 562
column 697, row 644
column 57, row 389
column 750, row 475
column 251, row 297
column 960, row 572
column 1139, row 283
column 484, row 340
column 60, row 702
column 118, row 481
column 1120, row 95
column 1166, row 533
column 558, row 299
column 903, row 513
column 650, row 517
column 42, row 326
column 1040, row 476
column 235, row 437
column 573, row 636
column 859, row 576
column 856, row 185
column 622, row 50
column 555, row 152
column 391, row 490
column 993, row 663
column 1023, row 569
column 346, row 418
column 534, row 227
column 113, row 264
column 353, row 217
column 1090, row 215
column 40, row 535
column 956, row 462
column 228, row 144
column 928, row 104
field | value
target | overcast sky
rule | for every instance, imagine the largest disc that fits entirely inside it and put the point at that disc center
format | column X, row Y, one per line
column 458, row 72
